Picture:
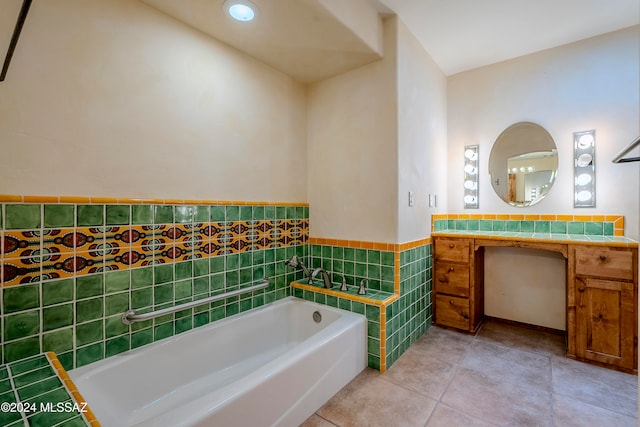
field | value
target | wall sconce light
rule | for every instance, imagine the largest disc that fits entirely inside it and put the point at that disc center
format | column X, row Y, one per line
column 584, row 168
column 471, row 177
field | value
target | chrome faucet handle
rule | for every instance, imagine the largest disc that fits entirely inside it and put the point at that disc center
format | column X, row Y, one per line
column 362, row 289
column 343, row 287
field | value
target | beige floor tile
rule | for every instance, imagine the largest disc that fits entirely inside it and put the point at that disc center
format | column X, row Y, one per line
column 568, row 412
column 447, row 345
column 444, row 416
column 316, row 421
column 420, row 371
column 497, row 401
column 517, row 366
column 522, row 338
column 597, row 386
column 370, row 401
column 506, row 375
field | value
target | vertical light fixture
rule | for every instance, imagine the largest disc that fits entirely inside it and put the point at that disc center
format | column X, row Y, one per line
column 584, row 167
column 471, row 177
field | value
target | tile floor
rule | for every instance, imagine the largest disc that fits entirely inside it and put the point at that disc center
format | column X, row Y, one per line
column 503, row 376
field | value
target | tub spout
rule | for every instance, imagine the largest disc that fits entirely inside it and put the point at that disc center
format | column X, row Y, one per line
column 326, row 280
column 325, row 277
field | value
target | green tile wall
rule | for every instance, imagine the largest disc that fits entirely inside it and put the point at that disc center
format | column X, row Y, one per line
column 356, row 264
column 407, row 318
column 33, row 382
column 410, row 316
column 79, row 317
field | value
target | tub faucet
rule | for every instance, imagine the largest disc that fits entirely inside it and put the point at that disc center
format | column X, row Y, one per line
column 325, row 277
column 295, row 262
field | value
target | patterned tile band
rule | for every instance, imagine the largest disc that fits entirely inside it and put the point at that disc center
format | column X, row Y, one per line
column 57, row 241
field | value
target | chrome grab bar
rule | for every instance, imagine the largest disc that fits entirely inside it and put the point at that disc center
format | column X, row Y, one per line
column 130, row 316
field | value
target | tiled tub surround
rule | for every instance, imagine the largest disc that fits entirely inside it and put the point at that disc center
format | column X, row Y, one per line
column 41, row 387
column 198, row 251
column 398, row 302
column 590, row 225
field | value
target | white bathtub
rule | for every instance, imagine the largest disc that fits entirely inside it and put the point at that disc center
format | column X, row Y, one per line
column 273, row 366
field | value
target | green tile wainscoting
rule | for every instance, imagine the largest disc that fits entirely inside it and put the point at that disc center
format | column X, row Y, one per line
column 78, row 315
column 395, row 320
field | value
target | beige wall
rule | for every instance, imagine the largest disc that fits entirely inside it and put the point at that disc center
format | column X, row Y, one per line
column 112, row 98
column 422, row 137
column 352, row 151
column 591, row 84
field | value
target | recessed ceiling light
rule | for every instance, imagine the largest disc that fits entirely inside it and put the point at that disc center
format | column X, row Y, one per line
column 240, row 10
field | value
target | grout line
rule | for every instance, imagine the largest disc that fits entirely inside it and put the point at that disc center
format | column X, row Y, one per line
column 15, row 393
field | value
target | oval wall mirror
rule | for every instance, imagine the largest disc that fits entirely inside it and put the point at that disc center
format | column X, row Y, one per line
column 523, row 164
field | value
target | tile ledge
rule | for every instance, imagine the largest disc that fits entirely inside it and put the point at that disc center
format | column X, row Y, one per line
column 571, row 239
column 389, row 297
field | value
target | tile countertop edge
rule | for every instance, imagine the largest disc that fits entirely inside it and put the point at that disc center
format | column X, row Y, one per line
column 336, row 293
column 571, row 239
column 88, row 415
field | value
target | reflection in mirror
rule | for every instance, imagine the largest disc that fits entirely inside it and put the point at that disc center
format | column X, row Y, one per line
column 523, row 164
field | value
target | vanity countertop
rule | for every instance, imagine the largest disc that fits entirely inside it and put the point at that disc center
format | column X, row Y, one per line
column 576, row 239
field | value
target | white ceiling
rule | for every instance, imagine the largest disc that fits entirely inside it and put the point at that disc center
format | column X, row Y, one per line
column 305, row 40
column 464, row 34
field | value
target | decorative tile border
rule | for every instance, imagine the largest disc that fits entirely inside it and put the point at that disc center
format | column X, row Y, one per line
column 40, row 242
column 596, row 225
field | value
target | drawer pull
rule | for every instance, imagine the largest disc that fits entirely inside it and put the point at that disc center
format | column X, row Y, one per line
column 450, row 269
column 581, row 289
column 451, row 246
column 451, row 302
column 603, row 258
column 465, row 316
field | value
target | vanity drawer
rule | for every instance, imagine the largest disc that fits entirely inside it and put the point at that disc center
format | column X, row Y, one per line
column 452, row 311
column 452, row 279
column 452, row 249
column 615, row 263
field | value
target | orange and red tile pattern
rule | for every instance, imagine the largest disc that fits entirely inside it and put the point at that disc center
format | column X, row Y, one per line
column 30, row 256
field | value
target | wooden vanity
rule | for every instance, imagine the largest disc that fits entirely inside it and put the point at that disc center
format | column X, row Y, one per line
column 602, row 290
